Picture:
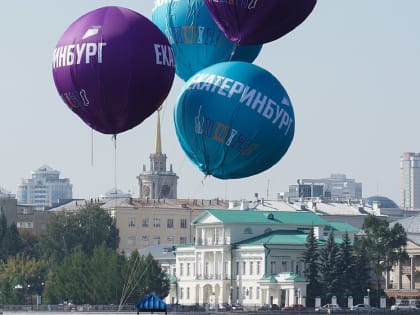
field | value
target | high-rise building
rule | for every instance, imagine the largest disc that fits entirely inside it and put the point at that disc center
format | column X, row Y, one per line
column 410, row 180
column 158, row 183
column 44, row 189
column 336, row 188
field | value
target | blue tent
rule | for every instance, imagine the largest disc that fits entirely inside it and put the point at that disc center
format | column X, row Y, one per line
column 151, row 303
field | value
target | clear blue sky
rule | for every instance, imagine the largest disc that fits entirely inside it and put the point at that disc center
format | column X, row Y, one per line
column 352, row 71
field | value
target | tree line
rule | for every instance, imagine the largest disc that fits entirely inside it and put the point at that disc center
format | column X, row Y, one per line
column 342, row 268
column 75, row 260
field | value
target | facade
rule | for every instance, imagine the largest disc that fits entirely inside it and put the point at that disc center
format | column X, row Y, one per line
column 247, row 257
column 24, row 216
column 410, row 181
column 143, row 223
column 44, row 189
column 336, row 188
column 158, row 182
column 403, row 281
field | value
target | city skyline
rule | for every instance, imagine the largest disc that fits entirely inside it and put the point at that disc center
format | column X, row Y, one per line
column 351, row 70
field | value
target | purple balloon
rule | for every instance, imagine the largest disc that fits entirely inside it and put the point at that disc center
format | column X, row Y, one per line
column 113, row 68
column 250, row 22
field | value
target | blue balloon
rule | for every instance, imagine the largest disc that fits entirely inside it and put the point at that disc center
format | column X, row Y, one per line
column 234, row 119
column 196, row 40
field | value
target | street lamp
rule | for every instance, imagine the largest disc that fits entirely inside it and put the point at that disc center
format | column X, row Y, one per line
column 368, row 292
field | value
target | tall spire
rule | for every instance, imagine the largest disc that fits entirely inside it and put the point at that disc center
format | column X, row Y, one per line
column 158, row 144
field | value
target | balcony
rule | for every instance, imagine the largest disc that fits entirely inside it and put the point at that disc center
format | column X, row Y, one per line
column 210, row 241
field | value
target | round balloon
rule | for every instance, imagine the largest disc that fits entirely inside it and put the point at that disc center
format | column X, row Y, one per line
column 234, row 119
column 196, row 40
column 113, row 68
column 259, row 21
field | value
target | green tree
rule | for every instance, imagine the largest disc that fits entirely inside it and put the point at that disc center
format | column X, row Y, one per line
column 20, row 279
column 104, row 273
column 154, row 279
column 362, row 275
column 13, row 240
column 328, row 260
column 346, row 268
column 4, row 252
column 71, row 280
column 88, row 228
column 385, row 246
column 311, row 271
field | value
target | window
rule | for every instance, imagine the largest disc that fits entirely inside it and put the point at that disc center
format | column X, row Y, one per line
column 132, row 222
column 258, row 267
column 237, row 268
column 156, row 222
column 131, row 241
column 273, row 267
column 156, row 240
column 170, row 224
column 257, row 294
column 183, row 240
column 251, row 267
column 243, row 267
column 182, row 293
column 181, row 269
column 145, row 222
column 188, row 293
column 188, row 269
column 170, row 239
column 183, row 223
column 283, row 266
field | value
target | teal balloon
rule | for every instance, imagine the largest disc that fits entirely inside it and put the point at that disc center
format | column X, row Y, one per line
column 234, row 119
column 196, row 40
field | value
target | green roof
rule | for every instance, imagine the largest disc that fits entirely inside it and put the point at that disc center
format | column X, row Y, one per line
column 264, row 217
column 295, row 278
column 341, row 227
column 290, row 237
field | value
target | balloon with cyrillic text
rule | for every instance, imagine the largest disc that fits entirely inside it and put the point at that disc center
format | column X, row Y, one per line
column 251, row 22
column 113, row 68
column 234, row 119
column 196, row 40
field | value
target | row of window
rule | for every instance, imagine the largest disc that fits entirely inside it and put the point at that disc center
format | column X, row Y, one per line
column 245, row 268
column 156, row 222
column 247, row 293
column 145, row 239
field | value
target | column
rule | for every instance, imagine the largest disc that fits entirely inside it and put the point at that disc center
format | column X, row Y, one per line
column 214, row 264
column 412, row 282
column 223, row 273
column 399, row 276
column 196, row 264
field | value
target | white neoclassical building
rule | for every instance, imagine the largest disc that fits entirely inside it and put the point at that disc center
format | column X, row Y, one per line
column 247, row 257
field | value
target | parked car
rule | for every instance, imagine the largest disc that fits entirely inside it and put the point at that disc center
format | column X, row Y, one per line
column 364, row 307
column 237, row 307
column 294, row 307
column 225, row 307
column 269, row 307
column 404, row 306
column 326, row 307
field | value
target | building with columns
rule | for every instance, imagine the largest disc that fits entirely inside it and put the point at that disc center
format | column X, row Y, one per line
column 403, row 281
column 158, row 182
column 247, row 257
